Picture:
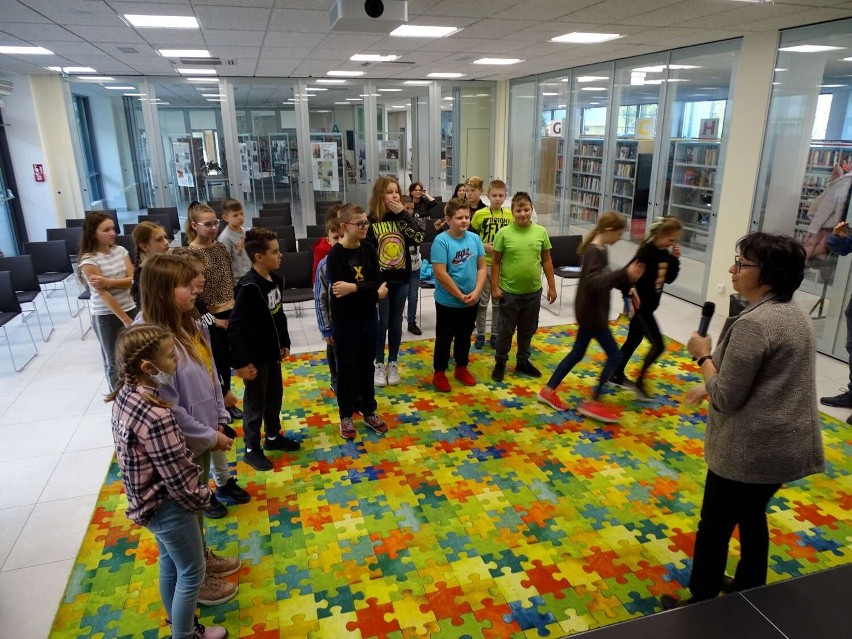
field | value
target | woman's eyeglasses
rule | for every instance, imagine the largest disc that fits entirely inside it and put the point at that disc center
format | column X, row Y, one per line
column 739, row 265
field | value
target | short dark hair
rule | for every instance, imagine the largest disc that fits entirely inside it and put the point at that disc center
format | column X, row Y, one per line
column 781, row 260
column 257, row 241
column 455, row 204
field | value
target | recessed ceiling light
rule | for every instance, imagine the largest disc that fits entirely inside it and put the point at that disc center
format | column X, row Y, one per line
column 346, row 103
column 497, row 61
column 322, row 111
column 201, row 80
column 329, row 81
column 593, row 89
column 580, row 37
column 550, row 94
column 810, row 48
column 315, row 89
column 161, row 103
column 677, row 67
column 25, row 50
column 72, row 69
column 414, row 31
column 354, row 99
column 117, row 88
column 589, row 78
column 831, row 86
column 213, row 95
column 417, row 82
column 653, row 69
column 135, row 95
column 96, row 78
column 397, row 106
column 447, row 99
column 206, row 88
column 162, row 22
column 184, row 53
column 346, row 74
column 373, row 57
column 216, row 100
column 561, row 106
column 364, row 95
column 200, row 71
column 444, row 75
column 390, row 90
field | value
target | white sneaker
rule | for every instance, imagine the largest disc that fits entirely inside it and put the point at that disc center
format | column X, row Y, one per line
column 380, row 377
column 393, row 374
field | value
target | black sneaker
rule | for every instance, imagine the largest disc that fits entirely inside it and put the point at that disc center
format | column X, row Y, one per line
column 234, row 412
column 527, row 369
column 844, row 400
column 729, row 585
column 620, row 381
column 227, row 431
column 670, row 602
column 493, row 341
column 499, row 371
column 479, row 342
column 281, row 443
column 257, row 460
column 216, row 509
column 849, row 420
column 414, row 328
column 231, row 492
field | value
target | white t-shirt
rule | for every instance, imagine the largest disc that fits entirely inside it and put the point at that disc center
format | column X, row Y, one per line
column 111, row 265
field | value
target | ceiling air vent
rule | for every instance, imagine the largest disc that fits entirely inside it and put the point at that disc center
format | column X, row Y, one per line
column 203, row 62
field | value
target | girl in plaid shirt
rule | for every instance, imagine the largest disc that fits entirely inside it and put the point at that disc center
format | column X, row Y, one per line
column 163, row 484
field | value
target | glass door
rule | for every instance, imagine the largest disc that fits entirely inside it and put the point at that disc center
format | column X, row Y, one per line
column 8, row 238
column 590, row 99
column 550, row 167
column 522, row 129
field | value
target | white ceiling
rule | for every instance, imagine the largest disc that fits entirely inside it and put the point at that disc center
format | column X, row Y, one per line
column 292, row 38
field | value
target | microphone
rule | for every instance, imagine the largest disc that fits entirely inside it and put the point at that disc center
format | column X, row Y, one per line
column 706, row 315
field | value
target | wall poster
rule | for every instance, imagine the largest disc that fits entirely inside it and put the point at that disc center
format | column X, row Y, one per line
column 324, row 159
column 183, row 164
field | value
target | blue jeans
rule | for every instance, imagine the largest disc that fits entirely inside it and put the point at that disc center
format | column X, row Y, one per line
column 390, row 321
column 413, row 291
column 107, row 328
column 182, row 564
column 584, row 337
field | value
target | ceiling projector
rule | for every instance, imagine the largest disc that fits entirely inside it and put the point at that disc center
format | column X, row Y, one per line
column 368, row 16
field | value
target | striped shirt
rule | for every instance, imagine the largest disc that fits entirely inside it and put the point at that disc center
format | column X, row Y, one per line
column 113, row 266
column 152, row 456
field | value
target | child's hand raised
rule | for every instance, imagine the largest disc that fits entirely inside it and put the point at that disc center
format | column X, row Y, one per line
column 635, row 270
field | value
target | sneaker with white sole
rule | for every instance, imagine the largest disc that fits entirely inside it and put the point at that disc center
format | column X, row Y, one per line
column 393, row 374
column 219, row 566
column 380, row 376
column 639, row 392
column 215, row 591
column 347, row 428
column 376, row 423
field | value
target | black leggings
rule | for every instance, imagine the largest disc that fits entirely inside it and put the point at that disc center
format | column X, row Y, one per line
column 221, row 352
column 642, row 325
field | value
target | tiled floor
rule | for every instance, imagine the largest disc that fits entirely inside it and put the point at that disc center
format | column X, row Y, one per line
column 55, row 447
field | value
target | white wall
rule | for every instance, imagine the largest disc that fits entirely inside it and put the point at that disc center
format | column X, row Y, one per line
column 39, row 133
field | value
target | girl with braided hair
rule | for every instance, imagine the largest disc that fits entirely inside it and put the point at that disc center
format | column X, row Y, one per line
column 163, row 484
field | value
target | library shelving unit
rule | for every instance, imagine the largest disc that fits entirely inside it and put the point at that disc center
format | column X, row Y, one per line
column 822, row 159
column 559, row 182
column 585, row 195
column 693, row 179
column 624, row 176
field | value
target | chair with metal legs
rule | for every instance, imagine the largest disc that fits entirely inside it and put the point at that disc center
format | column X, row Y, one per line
column 10, row 308
column 27, row 288
column 53, row 266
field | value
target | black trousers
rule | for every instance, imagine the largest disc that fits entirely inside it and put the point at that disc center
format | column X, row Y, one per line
column 643, row 324
column 355, row 348
column 221, row 352
column 331, row 358
column 727, row 504
column 262, row 404
column 453, row 326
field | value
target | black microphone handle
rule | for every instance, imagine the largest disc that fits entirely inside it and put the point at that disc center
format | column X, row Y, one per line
column 703, row 325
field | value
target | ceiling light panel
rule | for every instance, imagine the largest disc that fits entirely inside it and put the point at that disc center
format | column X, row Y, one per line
column 201, row 71
column 329, row 81
column 10, row 50
column 498, row 61
column 580, row 37
column 810, row 48
column 184, row 53
column 373, row 57
column 417, row 31
column 442, row 74
column 346, row 74
column 162, row 22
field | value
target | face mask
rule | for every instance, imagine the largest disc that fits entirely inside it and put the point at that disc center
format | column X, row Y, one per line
column 162, row 378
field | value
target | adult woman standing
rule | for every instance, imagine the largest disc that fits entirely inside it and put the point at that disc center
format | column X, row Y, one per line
column 762, row 422
column 108, row 270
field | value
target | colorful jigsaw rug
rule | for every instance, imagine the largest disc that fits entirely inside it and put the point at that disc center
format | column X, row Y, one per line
column 482, row 513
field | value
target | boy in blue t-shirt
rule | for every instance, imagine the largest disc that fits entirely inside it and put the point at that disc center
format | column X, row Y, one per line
column 458, row 258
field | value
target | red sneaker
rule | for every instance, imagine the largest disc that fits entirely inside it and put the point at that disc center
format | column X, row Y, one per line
column 440, row 381
column 464, row 376
column 600, row 411
column 548, row 396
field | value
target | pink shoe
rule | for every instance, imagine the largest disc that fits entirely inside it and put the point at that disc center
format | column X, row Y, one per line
column 600, row 411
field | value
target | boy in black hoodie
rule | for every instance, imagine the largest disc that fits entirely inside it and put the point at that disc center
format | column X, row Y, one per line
column 257, row 331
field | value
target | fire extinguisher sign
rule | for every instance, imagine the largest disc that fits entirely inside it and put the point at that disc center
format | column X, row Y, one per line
column 38, row 172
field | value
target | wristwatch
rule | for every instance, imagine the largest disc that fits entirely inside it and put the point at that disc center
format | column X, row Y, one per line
column 703, row 359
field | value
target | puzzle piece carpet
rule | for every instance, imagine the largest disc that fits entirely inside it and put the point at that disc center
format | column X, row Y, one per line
column 481, row 514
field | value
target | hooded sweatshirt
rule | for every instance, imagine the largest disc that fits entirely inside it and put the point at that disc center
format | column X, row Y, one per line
column 257, row 327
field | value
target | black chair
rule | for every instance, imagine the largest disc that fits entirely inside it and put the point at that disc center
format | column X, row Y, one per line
column 171, row 211
column 305, row 244
column 10, row 308
column 321, row 218
column 52, row 265
column 75, row 222
column 430, row 231
column 128, row 229
column 426, row 254
column 127, row 242
column 436, row 209
column 27, row 288
column 163, row 220
column 112, row 213
column 286, row 238
column 284, row 218
column 72, row 237
column 216, row 205
column 566, row 264
column 270, row 220
column 279, row 207
column 315, row 230
column 296, row 271
column 322, row 207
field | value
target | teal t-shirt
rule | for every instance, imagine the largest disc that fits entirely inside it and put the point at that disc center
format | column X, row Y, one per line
column 521, row 247
column 461, row 256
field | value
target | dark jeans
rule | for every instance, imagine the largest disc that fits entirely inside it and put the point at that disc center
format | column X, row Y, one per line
column 107, row 328
column 584, row 337
column 453, row 325
column 355, row 343
column 221, row 352
column 390, row 321
column 262, row 404
column 726, row 504
column 642, row 325
column 413, row 292
column 521, row 312
column 331, row 358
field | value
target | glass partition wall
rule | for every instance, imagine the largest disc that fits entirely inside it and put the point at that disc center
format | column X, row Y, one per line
column 550, row 168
